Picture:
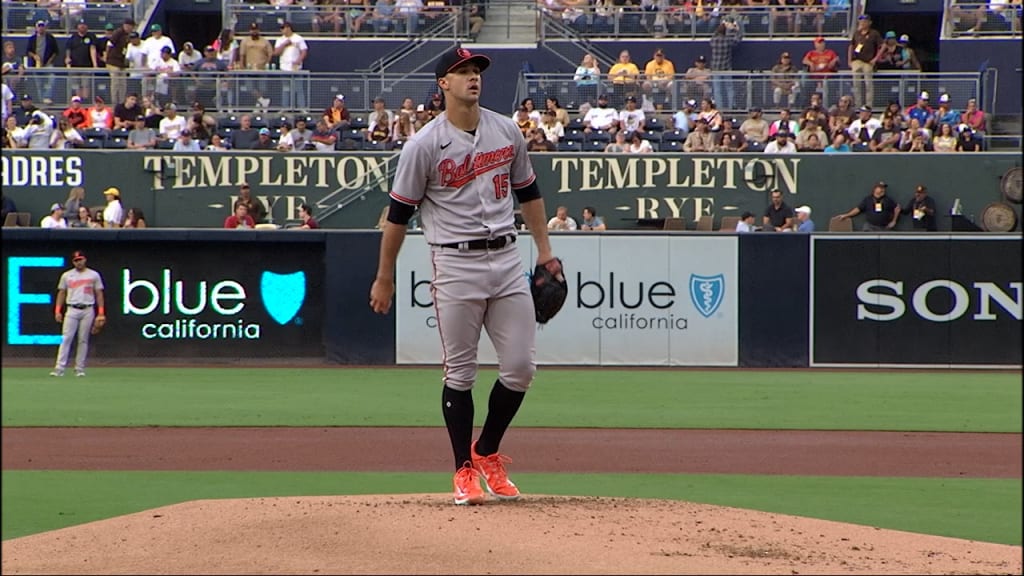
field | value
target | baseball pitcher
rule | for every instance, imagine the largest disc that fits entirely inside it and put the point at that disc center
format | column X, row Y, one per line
column 80, row 310
column 461, row 171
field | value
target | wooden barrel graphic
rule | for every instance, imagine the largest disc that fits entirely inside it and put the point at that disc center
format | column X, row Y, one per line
column 998, row 217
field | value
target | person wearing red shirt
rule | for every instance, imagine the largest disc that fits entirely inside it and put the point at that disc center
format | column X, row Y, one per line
column 241, row 218
column 822, row 62
column 76, row 114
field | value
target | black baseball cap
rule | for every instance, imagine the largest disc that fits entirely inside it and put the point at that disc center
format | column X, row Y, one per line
column 456, row 57
column 77, row 255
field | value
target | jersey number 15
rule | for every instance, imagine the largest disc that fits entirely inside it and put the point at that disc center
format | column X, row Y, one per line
column 500, row 186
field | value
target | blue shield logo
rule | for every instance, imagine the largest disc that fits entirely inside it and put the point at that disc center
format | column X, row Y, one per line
column 283, row 294
column 707, row 293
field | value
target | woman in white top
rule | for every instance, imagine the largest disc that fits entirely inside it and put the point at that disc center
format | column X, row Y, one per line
column 531, row 110
column 553, row 129
column 587, row 76
column 216, row 144
column 65, row 136
column 640, row 146
column 403, row 129
column 945, row 140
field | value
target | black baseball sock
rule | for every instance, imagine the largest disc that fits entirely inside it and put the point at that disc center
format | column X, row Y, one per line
column 501, row 409
column 457, row 407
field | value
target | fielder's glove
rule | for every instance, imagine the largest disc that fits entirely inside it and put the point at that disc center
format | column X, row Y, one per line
column 549, row 289
column 98, row 324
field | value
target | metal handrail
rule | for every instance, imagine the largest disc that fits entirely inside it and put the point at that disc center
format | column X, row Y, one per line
column 381, row 179
column 20, row 16
column 980, row 19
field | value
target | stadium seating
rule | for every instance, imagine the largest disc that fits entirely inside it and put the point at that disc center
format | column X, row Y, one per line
column 277, row 121
column 229, row 122
column 570, row 146
column 673, row 136
column 116, row 143
column 164, row 144
column 594, row 146
column 373, row 145
column 653, row 137
column 653, row 124
column 671, row 146
column 353, row 134
column 598, row 136
column 259, row 121
column 359, row 123
column 92, row 143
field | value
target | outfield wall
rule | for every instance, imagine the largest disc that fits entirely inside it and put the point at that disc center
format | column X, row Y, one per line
column 630, row 191
column 640, row 299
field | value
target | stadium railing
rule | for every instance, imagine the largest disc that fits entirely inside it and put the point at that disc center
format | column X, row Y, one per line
column 336, row 20
column 237, row 91
column 981, row 19
column 21, row 17
column 678, row 21
column 755, row 88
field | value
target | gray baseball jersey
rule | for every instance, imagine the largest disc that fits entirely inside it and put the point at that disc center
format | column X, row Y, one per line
column 81, row 286
column 462, row 182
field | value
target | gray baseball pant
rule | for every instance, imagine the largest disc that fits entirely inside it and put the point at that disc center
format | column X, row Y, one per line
column 75, row 321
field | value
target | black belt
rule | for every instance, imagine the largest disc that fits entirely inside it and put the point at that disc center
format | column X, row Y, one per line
column 80, row 306
column 482, row 244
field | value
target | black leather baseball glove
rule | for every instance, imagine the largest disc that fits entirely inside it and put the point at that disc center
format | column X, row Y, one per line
column 549, row 289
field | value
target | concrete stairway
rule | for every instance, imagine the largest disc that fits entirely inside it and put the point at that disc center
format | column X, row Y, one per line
column 509, row 22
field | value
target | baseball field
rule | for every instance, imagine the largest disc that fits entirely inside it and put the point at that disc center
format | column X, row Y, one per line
column 934, row 453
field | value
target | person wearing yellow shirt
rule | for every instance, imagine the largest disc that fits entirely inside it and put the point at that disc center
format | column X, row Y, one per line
column 658, row 75
column 623, row 75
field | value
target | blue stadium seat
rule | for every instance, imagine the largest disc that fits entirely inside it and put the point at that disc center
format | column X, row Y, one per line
column 673, row 136
column 573, row 134
column 92, row 143
column 94, row 133
column 359, row 123
column 375, row 146
column 278, row 121
column 570, row 146
column 117, row 143
column 860, row 147
column 164, row 144
column 594, row 146
column 310, row 121
column 575, row 124
column 230, row 121
column 397, row 145
column 226, row 133
column 653, row 124
column 653, row 137
column 597, row 136
column 755, row 146
column 259, row 121
column 353, row 134
column 671, row 146
column 119, row 133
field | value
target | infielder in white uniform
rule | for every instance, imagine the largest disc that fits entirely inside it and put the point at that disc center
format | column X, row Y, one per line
column 461, row 170
column 81, row 289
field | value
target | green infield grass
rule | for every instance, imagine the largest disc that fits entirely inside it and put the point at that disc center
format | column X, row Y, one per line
column 602, row 398
column 977, row 509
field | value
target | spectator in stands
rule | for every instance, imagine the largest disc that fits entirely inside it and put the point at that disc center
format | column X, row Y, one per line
column 784, row 81
column 80, row 52
column 538, row 142
column 39, row 131
column 240, row 218
column 732, row 139
column 945, row 139
column 135, row 219
column 880, row 211
column 815, row 110
column 141, row 136
column 189, row 57
column 561, row 220
column 152, row 112
column 116, row 59
column 101, row 44
column 921, row 209
column 83, row 218
column 291, row 50
column 41, row 52
column 701, row 139
column 601, row 117
column 113, row 214
column 685, row 118
column 813, row 142
column 379, row 129
column 254, row 54
column 55, row 219
column 263, row 141
column 404, row 128
column 422, row 117
column 65, row 136
column 631, row 119
column 887, row 137
column 435, row 106
column 591, row 221
column 968, row 142
column 755, row 128
column 810, row 13
column 782, row 144
column 914, row 131
column 206, row 84
column 408, row 15
column 199, row 129
column 216, row 144
column 746, row 222
column 783, row 13
column 709, row 112
column 906, row 58
column 698, row 79
column 587, row 77
column 623, row 76
column 862, row 54
column 778, row 215
column 254, row 207
column 838, row 144
column 408, row 107
column 25, row 111
column 154, row 46
column 475, row 14
column 380, row 107
column 284, row 140
column 306, row 215
column 974, row 117
column 167, row 69
column 785, row 123
column 136, row 61
column 13, row 68
column 888, row 53
column 126, row 112
column 324, row 138
column 618, row 145
column 638, row 145
column 383, row 18
column 895, row 111
column 723, row 42
column 551, row 104
column 14, row 137
column 331, row 14
column 658, row 77
column 337, row 115
column 75, row 114
column 842, row 110
column 921, row 111
column 301, row 136
column 863, row 128
column 803, row 220
column 531, row 110
column 524, row 122
column 551, row 127
column 100, row 116
column 945, row 114
column 245, row 136
column 172, row 124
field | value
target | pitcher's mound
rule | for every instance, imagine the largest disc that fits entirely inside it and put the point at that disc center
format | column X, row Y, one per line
column 426, row 534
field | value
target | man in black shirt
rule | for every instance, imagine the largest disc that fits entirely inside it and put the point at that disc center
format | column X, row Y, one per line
column 80, row 52
column 879, row 210
column 778, row 216
column 922, row 209
column 127, row 112
column 101, row 45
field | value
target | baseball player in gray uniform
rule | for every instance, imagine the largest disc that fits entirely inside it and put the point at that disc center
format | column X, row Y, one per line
column 80, row 289
column 461, row 171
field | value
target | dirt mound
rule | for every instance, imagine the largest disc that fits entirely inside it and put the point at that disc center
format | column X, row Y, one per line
column 426, row 534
